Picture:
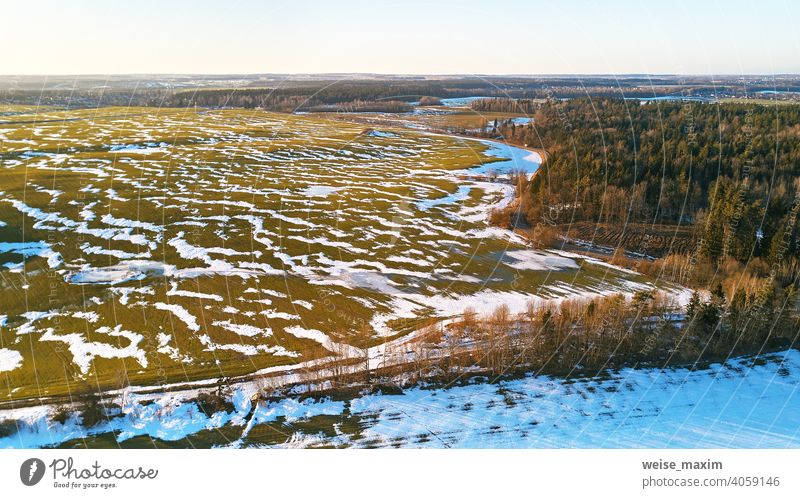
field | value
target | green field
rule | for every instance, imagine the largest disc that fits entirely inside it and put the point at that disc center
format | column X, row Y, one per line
column 149, row 246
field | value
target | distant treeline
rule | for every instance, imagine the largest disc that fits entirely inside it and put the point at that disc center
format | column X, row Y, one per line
column 299, row 94
column 296, row 98
column 524, row 106
column 362, row 106
column 303, row 97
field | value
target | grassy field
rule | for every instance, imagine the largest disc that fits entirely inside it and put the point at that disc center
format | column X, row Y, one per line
column 149, row 246
column 439, row 118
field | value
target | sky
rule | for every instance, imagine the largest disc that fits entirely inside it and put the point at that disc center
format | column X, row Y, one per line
column 399, row 37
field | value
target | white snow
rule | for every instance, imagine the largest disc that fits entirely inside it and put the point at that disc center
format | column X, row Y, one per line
column 32, row 317
column 243, row 329
column 90, row 249
column 528, row 259
column 181, row 313
column 319, row 191
column 28, row 249
column 83, row 351
column 165, row 348
column 174, row 291
column 89, row 316
column 126, row 271
column 9, row 359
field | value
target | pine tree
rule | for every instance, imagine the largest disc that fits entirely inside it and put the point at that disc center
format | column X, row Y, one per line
column 692, row 306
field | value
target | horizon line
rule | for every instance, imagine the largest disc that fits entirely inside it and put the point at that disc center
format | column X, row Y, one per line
column 359, row 73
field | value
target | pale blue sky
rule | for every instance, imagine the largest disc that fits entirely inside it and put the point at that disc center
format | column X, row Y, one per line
column 444, row 37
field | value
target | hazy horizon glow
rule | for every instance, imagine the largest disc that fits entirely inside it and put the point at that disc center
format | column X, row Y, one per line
column 414, row 37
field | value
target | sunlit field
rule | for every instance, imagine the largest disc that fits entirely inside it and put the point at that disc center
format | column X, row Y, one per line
column 146, row 246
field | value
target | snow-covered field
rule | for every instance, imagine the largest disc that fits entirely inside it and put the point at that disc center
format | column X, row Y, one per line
column 741, row 404
column 733, row 406
column 737, row 405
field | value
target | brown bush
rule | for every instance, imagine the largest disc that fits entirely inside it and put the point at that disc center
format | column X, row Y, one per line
column 544, row 235
column 619, row 258
column 427, row 100
column 500, row 217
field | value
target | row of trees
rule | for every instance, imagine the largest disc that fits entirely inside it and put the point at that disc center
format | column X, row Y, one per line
column 524, row 106
column 362, row 106
column 578, row 337
column 589, row 336
column 298, row 97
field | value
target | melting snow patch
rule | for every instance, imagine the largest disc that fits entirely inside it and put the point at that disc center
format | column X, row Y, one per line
column 243, row 329
column 9, row 359
column 32, row 317
column 381, row 134
column 84, row 352
column 90, row 249
column 319, row 191
column 117, row 274
column 28, row 249
column 535, row 260
column 89, row 316
column 148, row 148
column 174, row 291
column 182, row 314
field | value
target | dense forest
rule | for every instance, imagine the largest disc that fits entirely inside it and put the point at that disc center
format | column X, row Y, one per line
column 726, row 174
column 731, row 170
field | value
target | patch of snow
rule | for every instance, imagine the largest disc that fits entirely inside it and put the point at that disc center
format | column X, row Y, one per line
column 83, row 351
column 528, row 259
column 243, row 329
column 28, row 249
column 9, row 360
column 319, row 191
column 181, row 313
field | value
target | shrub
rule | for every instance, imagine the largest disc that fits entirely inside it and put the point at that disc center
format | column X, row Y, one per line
column 544, row 235
column 214, row 402
column 92, row 411
column 427, row 100
column 500, row 218
column 61, row 414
